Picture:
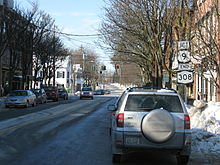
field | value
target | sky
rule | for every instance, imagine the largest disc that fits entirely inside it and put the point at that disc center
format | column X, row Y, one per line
column 80, row 17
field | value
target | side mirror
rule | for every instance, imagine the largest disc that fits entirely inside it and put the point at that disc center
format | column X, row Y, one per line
column 111, row 107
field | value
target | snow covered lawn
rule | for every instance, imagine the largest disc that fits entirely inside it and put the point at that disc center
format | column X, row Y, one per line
column 205, row 124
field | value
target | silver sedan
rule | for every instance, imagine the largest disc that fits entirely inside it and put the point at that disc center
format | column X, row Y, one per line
column 19, row 98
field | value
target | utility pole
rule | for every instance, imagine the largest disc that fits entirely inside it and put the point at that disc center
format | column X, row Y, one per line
column 1, row 28
column 54, row 56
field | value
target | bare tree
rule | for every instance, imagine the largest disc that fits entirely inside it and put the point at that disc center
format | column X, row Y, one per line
column 144, row 31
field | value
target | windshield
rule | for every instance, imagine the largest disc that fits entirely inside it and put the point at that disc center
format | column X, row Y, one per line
column 150, row 102
column 36, row 90
column 86, row 89
column 49, row 89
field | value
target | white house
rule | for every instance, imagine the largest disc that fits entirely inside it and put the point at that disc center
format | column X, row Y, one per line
column 64, row 73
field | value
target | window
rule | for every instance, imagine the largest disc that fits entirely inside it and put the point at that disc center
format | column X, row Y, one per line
column 68, row 74
column 150, row 102
column 60, row 74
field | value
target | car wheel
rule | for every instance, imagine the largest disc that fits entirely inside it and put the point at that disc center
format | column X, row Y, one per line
column 92, row 98
column 116, row 158
column 6, row 106
column 182, row 159
column 27, row 104
column 34, row 104
column 80, row 98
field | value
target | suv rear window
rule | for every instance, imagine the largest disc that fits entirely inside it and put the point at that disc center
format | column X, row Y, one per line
column 150, row 102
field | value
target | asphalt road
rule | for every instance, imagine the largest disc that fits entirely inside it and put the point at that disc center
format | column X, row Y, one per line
column 73, row 132
column 86, row 141
column 12, row 112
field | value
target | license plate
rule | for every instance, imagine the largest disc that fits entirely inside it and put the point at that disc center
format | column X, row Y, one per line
column 132, row 140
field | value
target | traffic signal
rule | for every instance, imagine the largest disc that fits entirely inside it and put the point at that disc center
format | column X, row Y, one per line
column 117, row 66
column 103, row 67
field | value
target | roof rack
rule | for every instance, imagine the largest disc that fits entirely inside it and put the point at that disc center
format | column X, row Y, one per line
column 149, row 88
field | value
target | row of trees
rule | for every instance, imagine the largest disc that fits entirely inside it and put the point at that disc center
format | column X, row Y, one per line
column 26, row 35
column 146, row 32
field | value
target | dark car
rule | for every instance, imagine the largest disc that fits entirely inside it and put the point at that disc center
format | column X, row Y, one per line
column 99, row 92
column 86, row 92
column 63, row 93
column 41, row 95
column 52, row 93
column 107, row 91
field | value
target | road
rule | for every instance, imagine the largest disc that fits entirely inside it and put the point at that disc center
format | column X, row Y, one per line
column 75, row 133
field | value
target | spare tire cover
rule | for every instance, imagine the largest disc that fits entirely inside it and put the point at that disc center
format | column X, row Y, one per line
column 158, row 126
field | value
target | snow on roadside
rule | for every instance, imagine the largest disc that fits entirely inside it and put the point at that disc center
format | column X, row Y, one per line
column 205, row 124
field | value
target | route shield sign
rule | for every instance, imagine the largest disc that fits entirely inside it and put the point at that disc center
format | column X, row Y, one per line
column 183, row 45
column 184, row 56
column 185, row 77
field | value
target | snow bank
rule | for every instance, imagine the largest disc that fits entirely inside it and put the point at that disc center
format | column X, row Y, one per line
column 205, row 124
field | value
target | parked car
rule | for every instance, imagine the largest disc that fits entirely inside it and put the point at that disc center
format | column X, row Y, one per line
column 20, row 98
column 107, row 91
column 41, row 95
column 52, row 93
column 86, row 92
column 150, row 119
column 99, row 92
column 63, row 93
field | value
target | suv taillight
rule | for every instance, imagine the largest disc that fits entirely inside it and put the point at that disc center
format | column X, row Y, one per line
column 120, row 120
column 187, row 121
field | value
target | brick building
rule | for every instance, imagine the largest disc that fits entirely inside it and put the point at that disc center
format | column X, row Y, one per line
column 205, row 46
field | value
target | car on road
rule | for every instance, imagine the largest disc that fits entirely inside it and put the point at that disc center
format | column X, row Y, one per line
column 106, row 91
column 150, row 119
column 99, row 92
column 20, row 98
column 52, row 93
column 41, row 95
column 63, row 93
column 86, row 92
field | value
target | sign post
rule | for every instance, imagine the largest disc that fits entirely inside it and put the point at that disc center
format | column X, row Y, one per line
column 185, row 73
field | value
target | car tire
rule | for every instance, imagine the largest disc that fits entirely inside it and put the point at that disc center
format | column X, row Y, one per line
column 27, row 104
column 80, row 98
column 116, row 158
column 92, row 98
column 34, row 104
column 6, row 106
column 182, row 159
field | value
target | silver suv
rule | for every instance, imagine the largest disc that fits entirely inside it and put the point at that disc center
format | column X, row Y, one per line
column 149, row 118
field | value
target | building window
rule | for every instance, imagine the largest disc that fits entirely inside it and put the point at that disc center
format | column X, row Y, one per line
column 68, row 74
column 60, row 74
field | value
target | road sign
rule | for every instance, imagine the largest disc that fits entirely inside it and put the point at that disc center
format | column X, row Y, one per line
column 184, row 56
column 185, row 77
column 186, row 66
column 183, row 45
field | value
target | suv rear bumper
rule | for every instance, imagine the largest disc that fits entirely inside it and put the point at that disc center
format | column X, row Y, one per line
column 125, row 142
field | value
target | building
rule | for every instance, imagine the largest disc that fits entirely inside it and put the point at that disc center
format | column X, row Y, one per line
column 13, row 52
column 63, row 76
column 205, row 52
